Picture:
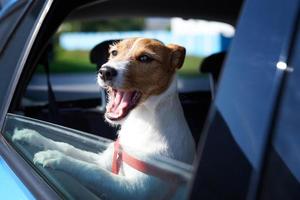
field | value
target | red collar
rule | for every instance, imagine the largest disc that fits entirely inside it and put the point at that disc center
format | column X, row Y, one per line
column 147, row 168
column 122, row 156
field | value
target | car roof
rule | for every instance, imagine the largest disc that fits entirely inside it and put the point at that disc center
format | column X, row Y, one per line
column 217, row 10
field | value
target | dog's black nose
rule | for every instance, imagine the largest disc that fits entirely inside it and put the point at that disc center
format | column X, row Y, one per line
column 107, row 73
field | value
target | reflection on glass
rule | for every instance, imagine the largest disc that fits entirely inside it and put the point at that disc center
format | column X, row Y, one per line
column 70, row 161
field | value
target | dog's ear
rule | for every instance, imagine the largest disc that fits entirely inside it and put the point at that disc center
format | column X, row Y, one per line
column 177, row 55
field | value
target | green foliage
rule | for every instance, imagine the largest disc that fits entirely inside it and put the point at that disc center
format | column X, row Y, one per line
column 132, row 24
column 190, row 66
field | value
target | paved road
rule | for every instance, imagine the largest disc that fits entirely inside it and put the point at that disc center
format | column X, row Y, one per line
column 79, row 86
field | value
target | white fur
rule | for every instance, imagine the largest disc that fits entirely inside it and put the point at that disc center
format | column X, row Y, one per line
column 156, row 127
column 121, row 67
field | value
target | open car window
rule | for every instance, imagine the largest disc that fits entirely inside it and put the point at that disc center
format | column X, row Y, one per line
column 66, row 185
column 80, row 102
column 62, row 102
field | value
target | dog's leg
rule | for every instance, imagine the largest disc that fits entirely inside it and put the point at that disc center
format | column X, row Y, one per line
column 33, row 138
column 104, row 183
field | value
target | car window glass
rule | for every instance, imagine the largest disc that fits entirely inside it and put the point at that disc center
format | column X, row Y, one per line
column 69, row 186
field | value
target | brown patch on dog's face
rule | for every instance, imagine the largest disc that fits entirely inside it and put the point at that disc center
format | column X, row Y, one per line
column 151, row 64
column 137, row 68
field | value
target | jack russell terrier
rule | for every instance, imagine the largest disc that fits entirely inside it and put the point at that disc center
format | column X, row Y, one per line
column 142, row 97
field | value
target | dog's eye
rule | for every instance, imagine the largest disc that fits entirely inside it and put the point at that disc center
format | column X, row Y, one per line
column 114, row 52
column 145, row 59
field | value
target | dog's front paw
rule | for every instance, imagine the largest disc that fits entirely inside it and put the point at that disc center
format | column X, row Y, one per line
column 50, row 158
column 25, row 135
column 29, row 136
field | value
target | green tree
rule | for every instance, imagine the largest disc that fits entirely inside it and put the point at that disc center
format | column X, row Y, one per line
column 124, row 24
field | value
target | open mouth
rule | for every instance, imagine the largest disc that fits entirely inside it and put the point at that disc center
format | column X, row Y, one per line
column 121, row 103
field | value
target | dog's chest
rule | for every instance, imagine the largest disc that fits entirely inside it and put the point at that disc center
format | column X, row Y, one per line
column 159, row 130
column 142, row 141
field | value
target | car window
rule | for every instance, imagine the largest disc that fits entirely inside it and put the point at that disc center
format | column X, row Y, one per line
column 67, row 185
column 72, row 70
column 62, row 102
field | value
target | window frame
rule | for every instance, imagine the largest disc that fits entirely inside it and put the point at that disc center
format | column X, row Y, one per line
column 35, row 43
column 36, row 16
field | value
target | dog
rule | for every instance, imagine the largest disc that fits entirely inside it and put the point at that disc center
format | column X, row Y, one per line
column 140, row 78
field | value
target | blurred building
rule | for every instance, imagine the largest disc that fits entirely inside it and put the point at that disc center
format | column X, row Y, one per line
column 200, row 27
column 156, row 23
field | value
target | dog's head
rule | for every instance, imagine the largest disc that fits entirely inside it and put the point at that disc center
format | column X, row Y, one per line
column 137, row 69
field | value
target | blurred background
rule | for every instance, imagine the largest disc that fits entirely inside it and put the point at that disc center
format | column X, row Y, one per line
column 73, row 76
column 75, row 39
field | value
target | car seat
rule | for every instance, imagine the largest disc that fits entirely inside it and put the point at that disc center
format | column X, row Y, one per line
column 212, row 65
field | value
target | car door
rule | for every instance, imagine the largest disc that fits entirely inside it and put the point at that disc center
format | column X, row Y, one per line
column 280, row 176
column 233, row 147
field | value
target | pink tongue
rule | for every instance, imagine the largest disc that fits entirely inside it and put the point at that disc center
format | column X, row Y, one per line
column 117, row 99
column 120, row 103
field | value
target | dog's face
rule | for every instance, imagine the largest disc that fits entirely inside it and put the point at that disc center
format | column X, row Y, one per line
column 137, row 68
